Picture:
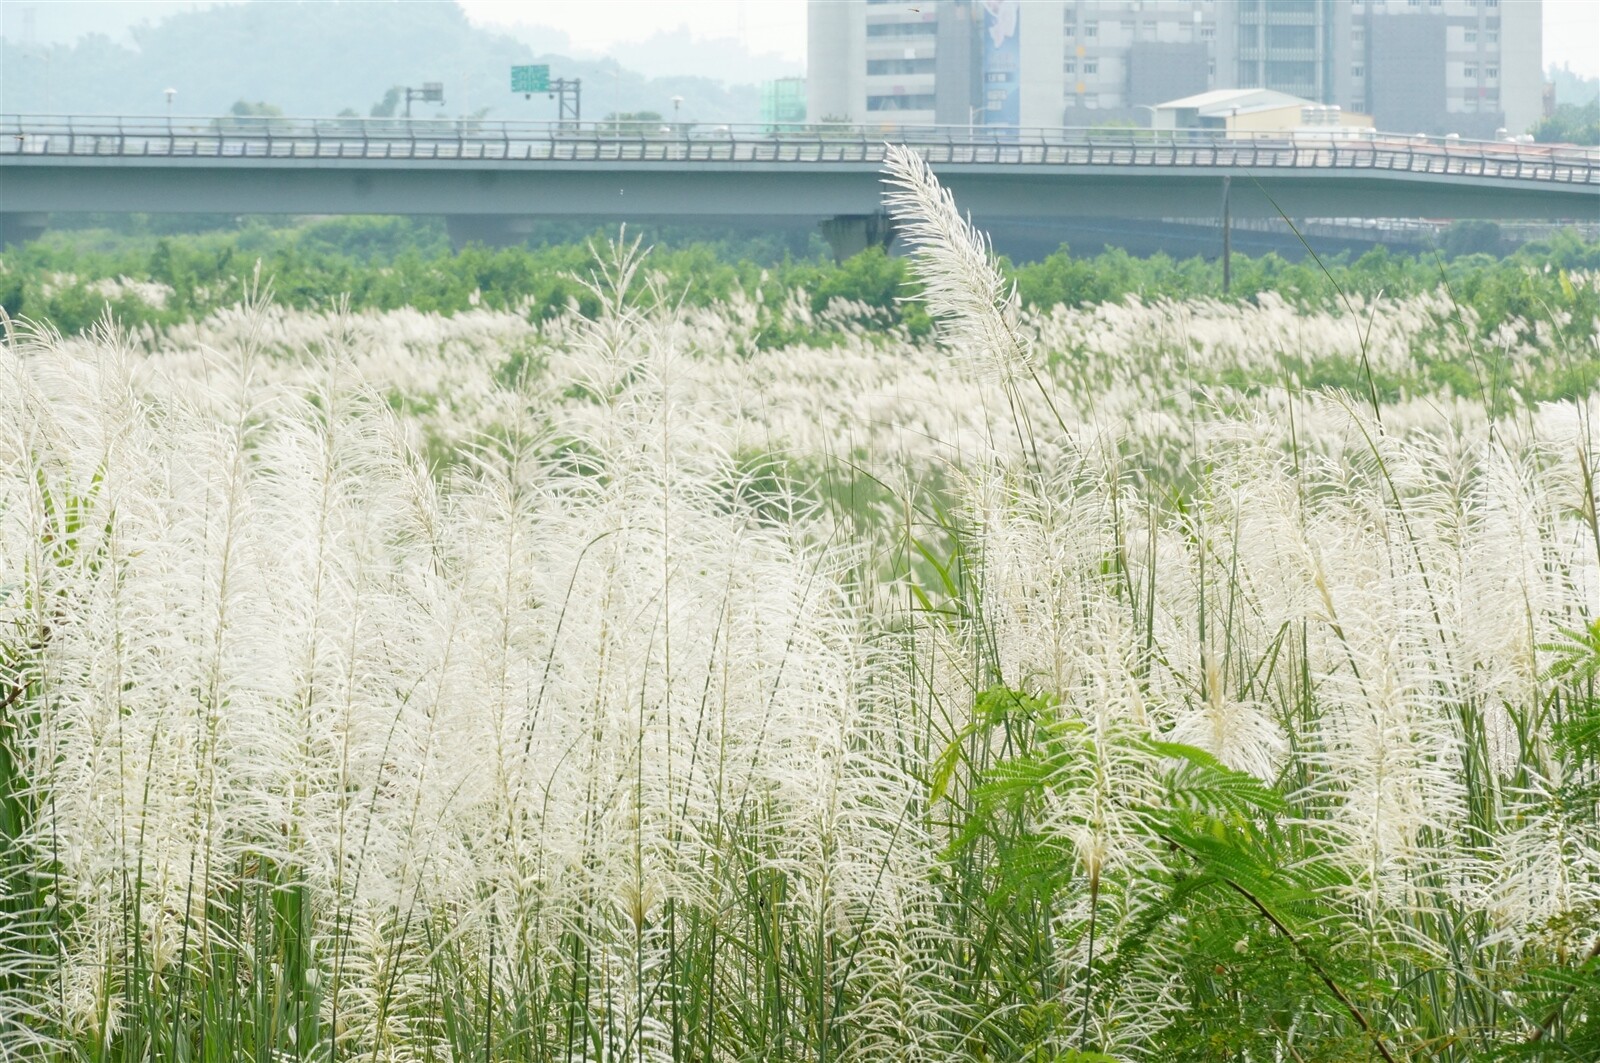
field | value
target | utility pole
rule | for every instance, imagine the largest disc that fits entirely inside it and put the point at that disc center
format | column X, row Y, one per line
column 1227, row 237
column 569, row 100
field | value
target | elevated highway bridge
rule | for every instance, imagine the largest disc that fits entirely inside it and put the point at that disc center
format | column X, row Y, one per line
column 494, row 176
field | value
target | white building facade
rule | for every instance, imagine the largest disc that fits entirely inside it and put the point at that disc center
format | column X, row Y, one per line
column 1437, row 66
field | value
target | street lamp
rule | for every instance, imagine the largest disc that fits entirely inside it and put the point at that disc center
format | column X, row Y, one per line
column 677, row 102
column 170, row 94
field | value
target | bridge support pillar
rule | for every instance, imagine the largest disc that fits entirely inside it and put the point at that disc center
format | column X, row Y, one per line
column 491, row 230
column 17, row 228
column 851, row 234
column 1227, row 236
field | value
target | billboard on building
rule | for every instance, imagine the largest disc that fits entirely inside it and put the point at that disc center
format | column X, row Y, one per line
column 1002, row 63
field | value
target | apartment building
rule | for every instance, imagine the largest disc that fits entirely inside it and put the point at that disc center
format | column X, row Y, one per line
column 1458, row 66
column 1437, row 66
column 1434, row 66
column 896, row 63
column 1301, row 47
column 1005, row 62
column 1123, row 57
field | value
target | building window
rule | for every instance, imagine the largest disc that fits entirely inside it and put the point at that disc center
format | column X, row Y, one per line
column 1091, row 29
column 1491, row 72
column 1288, row 72
column 1070, row 30
column 901, row 29
column 1492, row 36
column 1435, row 3
column 1470, row 71
column 1091, row 66
column 1149, row 28
column 920, row 102
column 1470, row 36
column 1293, row 37
column 1358, row 71
column 1208, row 33
column 900, row 66
column 1069, row 67
column 1491, row 3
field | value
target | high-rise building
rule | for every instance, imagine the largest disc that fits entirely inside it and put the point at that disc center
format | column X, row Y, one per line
column 1301, row 47
column 1431, row 66
column 896, row 63
column 1004, row 62
column 1435, row 66
column 1450, row 66
column 1122, row 57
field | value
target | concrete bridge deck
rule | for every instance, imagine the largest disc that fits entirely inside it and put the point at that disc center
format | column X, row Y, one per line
column 467, row 170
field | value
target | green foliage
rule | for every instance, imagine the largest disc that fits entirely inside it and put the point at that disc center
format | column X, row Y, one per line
column 384, row 263
column 245, row 108
column 632, row 122
column 1570, row 124
column 1471, row 237
column 12, row 287
column 389, row 105
column 247, row 116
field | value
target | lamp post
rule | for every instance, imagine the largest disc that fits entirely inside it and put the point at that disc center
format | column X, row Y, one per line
column 171, row 94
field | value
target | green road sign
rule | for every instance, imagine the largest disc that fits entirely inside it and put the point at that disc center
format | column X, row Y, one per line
column 530, row 78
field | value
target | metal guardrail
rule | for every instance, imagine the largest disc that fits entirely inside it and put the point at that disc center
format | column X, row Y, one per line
column 242, row 139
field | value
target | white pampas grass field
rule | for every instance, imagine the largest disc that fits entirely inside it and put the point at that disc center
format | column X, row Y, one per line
column 1088, row 684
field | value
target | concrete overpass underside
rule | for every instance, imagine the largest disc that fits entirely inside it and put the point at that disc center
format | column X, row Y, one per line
column 491, row 201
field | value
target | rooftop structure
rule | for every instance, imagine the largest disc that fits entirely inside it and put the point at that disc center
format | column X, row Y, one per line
column 1254, row 110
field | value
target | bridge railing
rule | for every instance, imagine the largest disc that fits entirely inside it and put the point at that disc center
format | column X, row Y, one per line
column 424, row 139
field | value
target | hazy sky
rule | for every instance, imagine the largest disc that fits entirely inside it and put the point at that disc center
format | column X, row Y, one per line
column 761, row 25
column 1571, row 27
column 1571, row 34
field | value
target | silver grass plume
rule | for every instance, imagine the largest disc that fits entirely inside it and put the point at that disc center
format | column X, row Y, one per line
column 962, row 287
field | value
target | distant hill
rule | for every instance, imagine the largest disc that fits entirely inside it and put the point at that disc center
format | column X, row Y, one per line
column 664, row 54
column 319, row 58
column 64, row 21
